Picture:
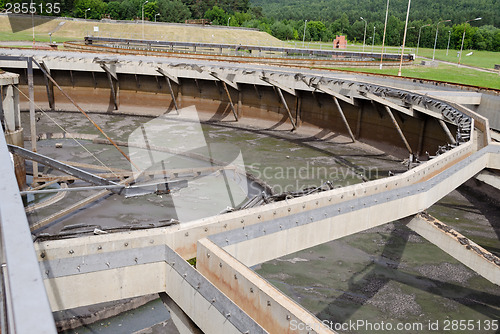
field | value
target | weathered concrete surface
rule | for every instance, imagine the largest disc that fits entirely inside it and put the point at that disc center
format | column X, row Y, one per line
column 463, row 249
column 142, row 85
column 263, row 302
column 11, row 121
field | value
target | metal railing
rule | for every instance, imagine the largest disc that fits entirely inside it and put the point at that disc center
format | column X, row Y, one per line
column 24, row 306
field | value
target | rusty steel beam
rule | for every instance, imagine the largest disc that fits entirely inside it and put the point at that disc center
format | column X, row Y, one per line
column 276, row 84
column 286, row 107
column 31, row 95
column 334, row 94
column 230, row 100
column 169, row 78
column 398, row 128
column 360, row 117
column 49, row 87
column 46, row 161
column 85, row 114
column 447, row 131
column 344, row 119
column 227, row 81
column 168, row 75
column 421, row 136
column 112, row 78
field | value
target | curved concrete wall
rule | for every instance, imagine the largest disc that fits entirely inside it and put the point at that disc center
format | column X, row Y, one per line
column 149, row 95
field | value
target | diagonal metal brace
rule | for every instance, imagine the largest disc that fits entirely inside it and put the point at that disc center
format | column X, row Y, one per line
column 79, row 173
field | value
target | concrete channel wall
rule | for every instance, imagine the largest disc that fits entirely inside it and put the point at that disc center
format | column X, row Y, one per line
column 224, row 295
column 141, row 90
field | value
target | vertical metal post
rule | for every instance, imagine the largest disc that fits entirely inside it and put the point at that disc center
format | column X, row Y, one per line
column 360, row 116
column 383, row 39
column 240, row 104
column 404, row 39
column 113, row 91
column 49, row 87
column 31, row 95
column 421, row 137
column 344, row 119
column 298, row 109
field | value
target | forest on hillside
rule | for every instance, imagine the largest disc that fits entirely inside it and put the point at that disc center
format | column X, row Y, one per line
column 286, row 19
column 458, row 11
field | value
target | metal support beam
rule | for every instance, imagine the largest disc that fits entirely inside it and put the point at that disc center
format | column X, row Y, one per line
column 172, row 93
column 398, row 128
column 257, row 91
column 230, row 100
column 24, row 297
column 286, row 107
column 49, row 86
column 298, row 108
column 227, row 81
column 86, row 115
column 278, row 85
column 81, row 174
column 183, row 323
column 421, row 136
column 31, row 95
column 113, row 83
column 334, row 94
column 344, row 119
column 360, row 118
column 169, row 78
column 390, row 104
column 447, row 131
column 168, row 75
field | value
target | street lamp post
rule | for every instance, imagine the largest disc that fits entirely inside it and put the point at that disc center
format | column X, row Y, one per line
column 373, row 39
column 419, row 32
column 404, row 39
column 86, row 12
column 143, row 18
column 383, row 38
column 463, row 38
column 229, row 19
column 436, row 39
column 156, row 15
column 449, row 37
column 304, row 37
column 364, row 36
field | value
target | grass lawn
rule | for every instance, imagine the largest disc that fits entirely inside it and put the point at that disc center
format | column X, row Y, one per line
column 484, row 59
column 443, row 72
column 64, row 30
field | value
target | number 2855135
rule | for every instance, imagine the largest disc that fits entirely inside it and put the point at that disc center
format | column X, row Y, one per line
column 32, row 8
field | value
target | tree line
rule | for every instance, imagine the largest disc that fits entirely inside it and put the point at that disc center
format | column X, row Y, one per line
column 326, row 19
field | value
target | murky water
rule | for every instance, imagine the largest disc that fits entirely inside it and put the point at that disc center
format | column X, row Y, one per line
column 385, row 274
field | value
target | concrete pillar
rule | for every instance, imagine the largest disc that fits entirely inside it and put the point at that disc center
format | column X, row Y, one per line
column 11, row 121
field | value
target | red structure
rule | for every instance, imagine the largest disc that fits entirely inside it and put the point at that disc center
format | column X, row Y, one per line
column 340, row 43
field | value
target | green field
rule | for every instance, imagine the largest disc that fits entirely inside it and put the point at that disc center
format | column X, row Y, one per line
column 77, row 30
column 443, row 72
column 484, row 59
